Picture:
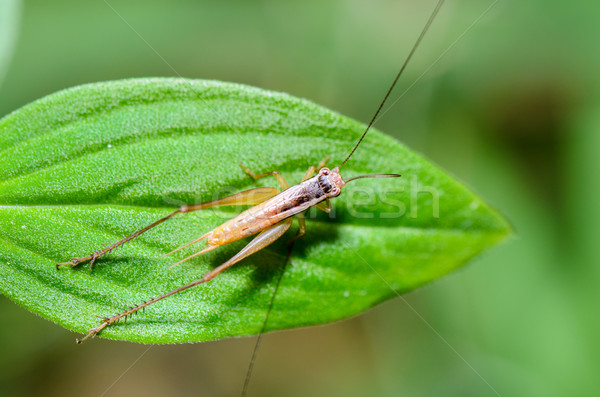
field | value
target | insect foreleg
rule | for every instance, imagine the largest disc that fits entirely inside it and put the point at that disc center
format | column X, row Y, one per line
column 312, row 169
column 276, row 174
column 265, row 238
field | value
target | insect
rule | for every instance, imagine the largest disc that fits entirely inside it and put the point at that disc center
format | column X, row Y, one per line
column 270, row 216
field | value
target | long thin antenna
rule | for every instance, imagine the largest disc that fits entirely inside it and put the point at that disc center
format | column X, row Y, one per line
column 264, row 326
column 425, row 29
column 258, row 340
column 374, row 176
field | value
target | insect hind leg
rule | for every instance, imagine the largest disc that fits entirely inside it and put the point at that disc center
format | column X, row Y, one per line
column 97, row 254
column 247, row 197
column 265, row 238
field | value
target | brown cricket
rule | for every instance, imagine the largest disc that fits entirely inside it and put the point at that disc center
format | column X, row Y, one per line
column 271, row 215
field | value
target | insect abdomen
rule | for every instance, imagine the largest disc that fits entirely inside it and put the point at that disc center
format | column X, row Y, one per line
column 288, row 203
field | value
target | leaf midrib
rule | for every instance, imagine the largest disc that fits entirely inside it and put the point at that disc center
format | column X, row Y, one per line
column 411, row 229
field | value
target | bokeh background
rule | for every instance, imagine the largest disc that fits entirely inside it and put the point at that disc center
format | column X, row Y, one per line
column 512, row 108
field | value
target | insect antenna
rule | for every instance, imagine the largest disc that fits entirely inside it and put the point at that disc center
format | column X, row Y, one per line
column 264, row 326
column 373, row 176
column 412, row 51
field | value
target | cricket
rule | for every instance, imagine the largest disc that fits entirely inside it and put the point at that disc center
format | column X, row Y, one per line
column 270, row 215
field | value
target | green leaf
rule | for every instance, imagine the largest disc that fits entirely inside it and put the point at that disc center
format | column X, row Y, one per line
column 85, row 166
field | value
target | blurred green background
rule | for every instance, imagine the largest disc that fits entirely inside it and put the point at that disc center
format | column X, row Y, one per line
column 512, row 109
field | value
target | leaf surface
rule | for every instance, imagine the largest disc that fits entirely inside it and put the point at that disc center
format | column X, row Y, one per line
column 83, row 167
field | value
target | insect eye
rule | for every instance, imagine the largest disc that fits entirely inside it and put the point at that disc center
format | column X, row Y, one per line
column 324, row 171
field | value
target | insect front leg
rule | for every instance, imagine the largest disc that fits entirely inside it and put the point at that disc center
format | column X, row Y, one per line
column 247, row 197
column 265, row 238
column 276, row 174
column 312, row 169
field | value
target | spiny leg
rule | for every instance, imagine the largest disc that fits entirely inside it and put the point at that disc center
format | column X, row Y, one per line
column 265, row 238
column 97, row 254
column 247, row 197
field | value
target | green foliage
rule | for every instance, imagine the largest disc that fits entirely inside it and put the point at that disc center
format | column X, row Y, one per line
column 82, row 167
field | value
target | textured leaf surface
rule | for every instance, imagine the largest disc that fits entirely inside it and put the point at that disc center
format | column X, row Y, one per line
column 83, row 167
